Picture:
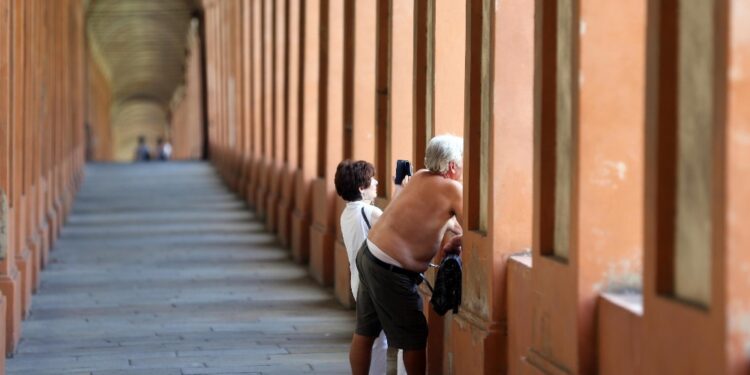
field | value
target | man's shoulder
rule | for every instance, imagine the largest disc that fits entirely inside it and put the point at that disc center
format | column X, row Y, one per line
column 435, row 180
column 456, row 185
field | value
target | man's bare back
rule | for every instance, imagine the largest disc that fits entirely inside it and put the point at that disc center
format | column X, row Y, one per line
column 412, row 226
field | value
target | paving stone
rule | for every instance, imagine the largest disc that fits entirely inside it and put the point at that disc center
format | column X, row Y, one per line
column 162, row 271
column 52, row 372
column 254, row 369
column 145, row 371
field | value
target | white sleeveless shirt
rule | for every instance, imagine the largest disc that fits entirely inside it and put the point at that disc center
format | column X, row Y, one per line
column 354, row 230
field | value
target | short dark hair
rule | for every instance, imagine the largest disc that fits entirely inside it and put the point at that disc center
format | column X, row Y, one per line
column 352, row 176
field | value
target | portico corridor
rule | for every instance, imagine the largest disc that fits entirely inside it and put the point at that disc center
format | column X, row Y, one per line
column 160, row 270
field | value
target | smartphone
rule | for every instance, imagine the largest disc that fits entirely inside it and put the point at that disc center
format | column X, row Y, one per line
column 403, row 169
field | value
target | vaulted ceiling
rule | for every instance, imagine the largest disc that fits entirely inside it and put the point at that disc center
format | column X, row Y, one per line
column 140, row 46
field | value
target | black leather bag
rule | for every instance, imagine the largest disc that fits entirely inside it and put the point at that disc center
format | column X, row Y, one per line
column 447, row 292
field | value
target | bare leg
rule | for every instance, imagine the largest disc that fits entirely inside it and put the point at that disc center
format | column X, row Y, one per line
column 415, row 362
column 359, row 354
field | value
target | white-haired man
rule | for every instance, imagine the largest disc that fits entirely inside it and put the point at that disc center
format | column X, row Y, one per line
column 399, row 248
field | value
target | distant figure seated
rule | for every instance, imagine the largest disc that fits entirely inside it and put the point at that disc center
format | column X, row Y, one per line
column 142, row 152
column 163, row 150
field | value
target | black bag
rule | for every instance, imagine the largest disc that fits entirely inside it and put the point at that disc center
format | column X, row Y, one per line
column 447, row 293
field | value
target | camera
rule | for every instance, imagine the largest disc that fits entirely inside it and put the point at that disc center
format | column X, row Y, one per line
column 403, row 169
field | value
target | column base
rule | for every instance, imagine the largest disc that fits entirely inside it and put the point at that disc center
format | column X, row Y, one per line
column 23, row 262
column 284, row 224
column 321, row 232
column 261, row 205
column 35, row 245
column 52, row 229
column 536, row 364
column 477, row 346
column 436, row 338
column 342, row 284
column 272, row 212
column 59, row 213
column 3, row 331
column 242, row 183
column 286, row 203
column 11, row 289
column 44, row 243
column 321, row 255
column 67, row 204
column 300, row 237
column 233, row 173
column 272, row 197
column 252, row 185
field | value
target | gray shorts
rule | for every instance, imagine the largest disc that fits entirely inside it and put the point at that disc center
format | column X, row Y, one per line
column 388, row 300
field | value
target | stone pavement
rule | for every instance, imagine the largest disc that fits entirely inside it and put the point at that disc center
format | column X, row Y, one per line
column 160, row 270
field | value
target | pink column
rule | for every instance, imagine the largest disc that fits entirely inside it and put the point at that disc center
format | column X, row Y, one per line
column 280, row 116
column 293, row 124
column 308, row 166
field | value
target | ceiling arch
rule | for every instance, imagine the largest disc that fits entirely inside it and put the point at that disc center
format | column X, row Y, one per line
column 141, row 47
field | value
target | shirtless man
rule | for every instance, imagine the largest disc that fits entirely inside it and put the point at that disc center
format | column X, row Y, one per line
column 399, row 248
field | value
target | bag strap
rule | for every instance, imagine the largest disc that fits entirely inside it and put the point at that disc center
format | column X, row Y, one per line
column 365, row 217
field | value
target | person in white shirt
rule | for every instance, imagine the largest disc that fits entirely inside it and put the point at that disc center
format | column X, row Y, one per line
column 356, row 184
column 163, row 149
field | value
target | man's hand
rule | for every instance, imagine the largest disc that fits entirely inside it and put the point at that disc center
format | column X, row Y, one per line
column 453, row 246
column 454, row 227
column 398, row 187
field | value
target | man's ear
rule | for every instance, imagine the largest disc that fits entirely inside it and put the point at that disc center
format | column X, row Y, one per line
column 452, row 167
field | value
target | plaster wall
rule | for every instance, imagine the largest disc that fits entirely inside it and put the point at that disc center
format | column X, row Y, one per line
column 450, row 66
column 186, row 129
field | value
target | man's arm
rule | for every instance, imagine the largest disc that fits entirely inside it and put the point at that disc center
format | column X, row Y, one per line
column 453, row 245
column 457, row 202
column 398, row 187
column 453, row 237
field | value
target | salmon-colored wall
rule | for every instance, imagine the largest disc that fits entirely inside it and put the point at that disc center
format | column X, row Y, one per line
column 401, row 91
column 450, row 67
column 363, row 75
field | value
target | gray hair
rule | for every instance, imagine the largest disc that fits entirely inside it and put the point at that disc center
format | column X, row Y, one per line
column 442, row 150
